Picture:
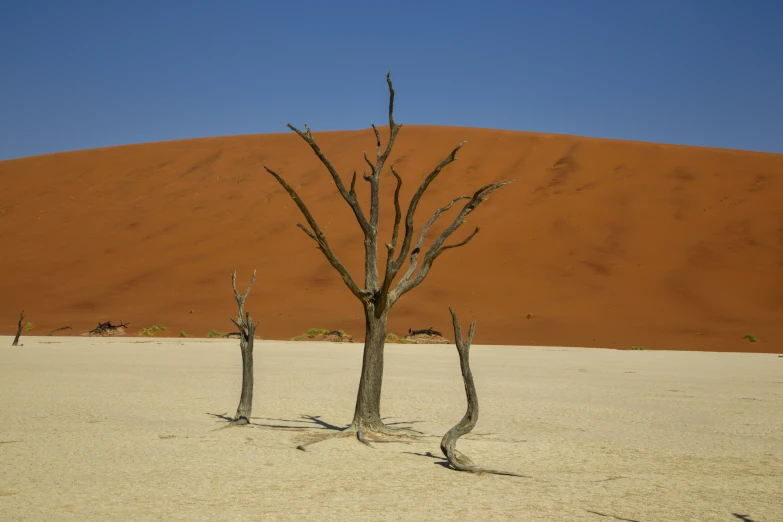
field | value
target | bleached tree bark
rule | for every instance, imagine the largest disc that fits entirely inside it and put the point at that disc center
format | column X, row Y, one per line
column 380, row 292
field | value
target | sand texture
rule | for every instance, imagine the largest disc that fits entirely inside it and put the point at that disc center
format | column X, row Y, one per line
column 605, row 243
column 123, row 429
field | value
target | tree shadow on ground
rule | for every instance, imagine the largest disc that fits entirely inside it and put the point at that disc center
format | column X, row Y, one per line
column 307, row 422
column 612, row 516
column 304, row 423
column 441, row 461
column 744, row 518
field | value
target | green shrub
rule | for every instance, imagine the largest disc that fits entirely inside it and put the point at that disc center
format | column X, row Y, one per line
column 750, row 337
column 313, row 332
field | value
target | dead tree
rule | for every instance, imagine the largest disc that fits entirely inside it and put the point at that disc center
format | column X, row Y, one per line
column 448, row 444
column 379, row 293
column 247, row 330
column 18, row 330
column 58, row 329
column 107, row 328
column 426, row 331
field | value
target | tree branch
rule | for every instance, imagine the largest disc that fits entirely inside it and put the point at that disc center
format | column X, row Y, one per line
column 406, row 242
column 422, row 236
column 241, row 298
column 318, row 236
column 436, row 249
column 390, row 247
column 463, row 242
column 371, row 242
column 377, row 141
column 349, row 197
column 309, row 233
column 394, row 127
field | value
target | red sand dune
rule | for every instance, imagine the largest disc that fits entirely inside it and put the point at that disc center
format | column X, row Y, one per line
column 606, row 243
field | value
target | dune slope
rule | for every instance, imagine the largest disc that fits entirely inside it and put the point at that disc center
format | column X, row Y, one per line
column 605, row 243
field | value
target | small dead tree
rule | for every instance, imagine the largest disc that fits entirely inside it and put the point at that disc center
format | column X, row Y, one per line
column 18, row 330
column 379, row 292
column 247, row 331
column 448, row 444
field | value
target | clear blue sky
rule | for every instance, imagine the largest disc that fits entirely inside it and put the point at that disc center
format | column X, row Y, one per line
column 77, row 74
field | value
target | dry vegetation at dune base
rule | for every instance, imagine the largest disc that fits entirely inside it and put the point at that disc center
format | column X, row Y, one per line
column 128, row 429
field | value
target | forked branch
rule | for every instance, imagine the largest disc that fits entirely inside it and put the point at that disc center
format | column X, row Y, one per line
column 448, row 444
column 318, row 236
column 409, row 281
column 348, row 195
column 408, row 238
column 369, row 226
column 241, row 298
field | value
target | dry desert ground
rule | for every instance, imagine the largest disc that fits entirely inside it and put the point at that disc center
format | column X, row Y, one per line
column 127, row 429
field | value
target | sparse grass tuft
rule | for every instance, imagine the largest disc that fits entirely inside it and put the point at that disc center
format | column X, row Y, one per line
column 394, row 338
column 637, row 348
column 215, row 333
column 183, row 334
column 751, row 338
column 29, row 326
column 150, row 331
column 297, row 338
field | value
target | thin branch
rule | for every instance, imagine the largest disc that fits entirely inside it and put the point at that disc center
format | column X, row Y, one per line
column 247, row 292
column 463, row 242
column 437, row 248
column 397, row 212
column 349, row 197
column 377, row 141
column 406, row 242
column 309, row 233
column 319, row 237
column 390, row 247
column 394, row 127
column 370, row 163
column 422, row 235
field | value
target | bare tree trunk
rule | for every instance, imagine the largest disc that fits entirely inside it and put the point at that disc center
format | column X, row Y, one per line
column 448, row 445
column 18, row 330
column 247, row 330
column 245, row 407
column 367, row 414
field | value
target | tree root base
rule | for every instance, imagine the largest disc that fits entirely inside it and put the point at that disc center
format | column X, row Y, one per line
column 241, row 421
column 368, row 436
